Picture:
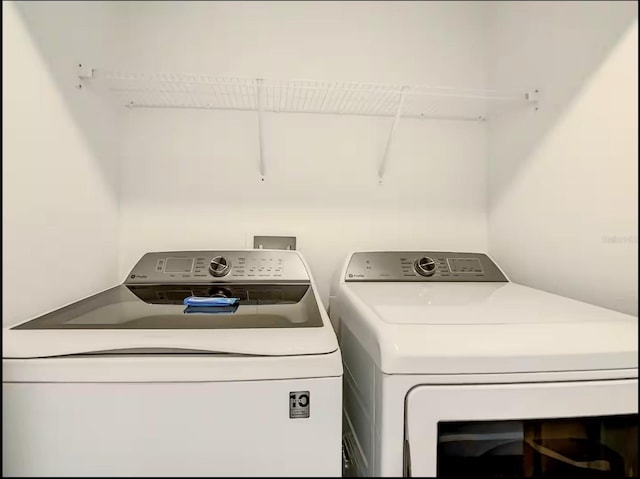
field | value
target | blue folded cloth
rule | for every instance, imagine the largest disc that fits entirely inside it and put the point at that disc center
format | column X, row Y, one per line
column 212, row 309
column 210, row 302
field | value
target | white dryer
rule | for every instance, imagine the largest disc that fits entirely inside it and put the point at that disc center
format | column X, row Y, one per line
column 453, row 371
column 203, row 363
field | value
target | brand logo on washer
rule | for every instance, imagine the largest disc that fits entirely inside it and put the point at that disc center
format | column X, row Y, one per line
column 299, row 404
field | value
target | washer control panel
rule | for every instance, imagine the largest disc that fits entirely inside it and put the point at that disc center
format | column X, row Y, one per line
column 219, row 266
column 425, row 266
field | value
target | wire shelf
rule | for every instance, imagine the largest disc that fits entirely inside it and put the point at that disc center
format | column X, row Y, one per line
column 176, row 90
column 173, row 90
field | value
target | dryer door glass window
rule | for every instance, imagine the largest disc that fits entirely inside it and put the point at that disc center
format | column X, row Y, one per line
column 588, row 447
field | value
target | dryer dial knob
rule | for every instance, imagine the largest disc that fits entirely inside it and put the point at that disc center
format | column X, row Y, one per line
column 219, row 266
column 425, row 266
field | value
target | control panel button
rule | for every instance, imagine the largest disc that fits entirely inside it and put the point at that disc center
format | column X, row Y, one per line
column 219, row 266
column 425, row 266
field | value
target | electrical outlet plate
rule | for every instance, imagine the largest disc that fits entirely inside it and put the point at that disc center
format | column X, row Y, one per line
column 274, row 242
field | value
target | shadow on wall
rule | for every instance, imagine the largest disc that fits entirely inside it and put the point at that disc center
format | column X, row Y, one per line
column 66, row 33
column 557, row 49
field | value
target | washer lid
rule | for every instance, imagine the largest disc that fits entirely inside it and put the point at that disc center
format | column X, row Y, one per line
column 456, row 328
column 271, row 319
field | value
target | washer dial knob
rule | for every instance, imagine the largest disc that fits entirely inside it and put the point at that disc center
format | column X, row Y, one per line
column 425, row 266
column 219, row 266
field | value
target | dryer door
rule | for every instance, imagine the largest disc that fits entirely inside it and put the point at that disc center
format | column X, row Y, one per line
column 570, row 429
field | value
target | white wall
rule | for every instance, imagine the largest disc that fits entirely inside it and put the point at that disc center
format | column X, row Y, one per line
column 564, row 180
column 59, row 158
column 190, row 177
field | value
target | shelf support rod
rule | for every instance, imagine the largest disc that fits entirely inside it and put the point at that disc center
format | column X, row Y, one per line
column 383, row 163
column 260, row 128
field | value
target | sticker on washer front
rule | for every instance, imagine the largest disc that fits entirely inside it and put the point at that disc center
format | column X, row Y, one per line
column 299, row 404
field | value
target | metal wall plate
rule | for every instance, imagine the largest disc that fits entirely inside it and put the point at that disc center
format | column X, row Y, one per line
column 274, row 242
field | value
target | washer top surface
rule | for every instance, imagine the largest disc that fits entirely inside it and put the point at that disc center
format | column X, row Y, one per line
column 276, row 311
column 475, row 323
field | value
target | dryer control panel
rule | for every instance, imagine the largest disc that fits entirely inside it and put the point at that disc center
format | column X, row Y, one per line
column 427, row 266
column 246, row 266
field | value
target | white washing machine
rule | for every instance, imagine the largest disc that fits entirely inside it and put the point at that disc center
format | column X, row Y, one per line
column 203, row 363
column 453, row 371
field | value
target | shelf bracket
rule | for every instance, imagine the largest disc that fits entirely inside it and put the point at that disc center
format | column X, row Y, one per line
column 383, row 163
column 259, row 86
column 533, row 96
column 84, row 73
